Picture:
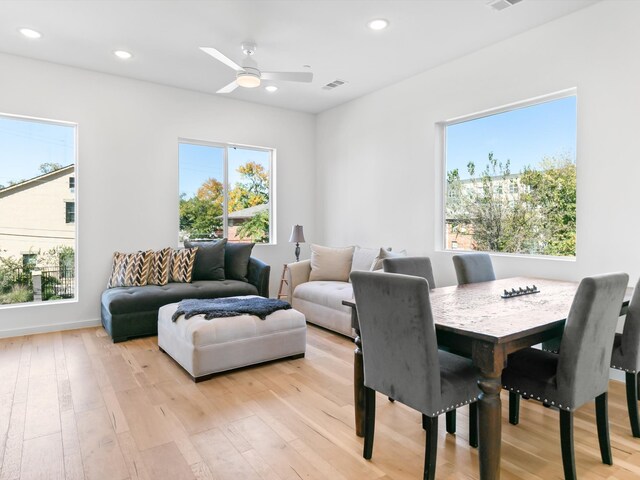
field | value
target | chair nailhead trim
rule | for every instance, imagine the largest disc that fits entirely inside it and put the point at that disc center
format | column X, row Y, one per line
column 538, row 398
column 453, row 407
column 625, row 369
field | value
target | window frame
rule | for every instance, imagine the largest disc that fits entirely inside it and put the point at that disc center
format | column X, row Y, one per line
column 225, row 174
column 441, row 152
column 76, row 174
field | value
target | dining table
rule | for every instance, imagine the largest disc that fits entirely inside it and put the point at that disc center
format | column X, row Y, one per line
column 475, row 320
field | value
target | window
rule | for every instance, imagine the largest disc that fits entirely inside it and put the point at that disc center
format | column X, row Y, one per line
column 69, row 212
column 37, row 171
column 29, row 260
column 225, row 191
column 510, row 179
column 72, row 184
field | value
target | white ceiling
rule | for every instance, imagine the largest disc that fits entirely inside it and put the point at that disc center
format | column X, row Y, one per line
column 329, row 35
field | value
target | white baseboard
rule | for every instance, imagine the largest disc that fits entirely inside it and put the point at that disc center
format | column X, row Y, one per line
column 54, row 327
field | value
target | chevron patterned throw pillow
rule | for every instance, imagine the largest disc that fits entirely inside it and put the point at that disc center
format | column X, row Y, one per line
column 159, row 267
column 182, row 261
column 130, row 269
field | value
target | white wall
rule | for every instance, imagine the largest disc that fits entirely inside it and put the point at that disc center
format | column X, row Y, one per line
column 127, row 172
column 379, row 174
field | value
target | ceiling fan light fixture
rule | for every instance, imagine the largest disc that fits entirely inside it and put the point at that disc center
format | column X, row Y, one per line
column 30, row 33
column 248, row 79
column 122, row 54
column 378, row 24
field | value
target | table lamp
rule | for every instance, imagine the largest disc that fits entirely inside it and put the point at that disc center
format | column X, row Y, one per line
column 297, row 237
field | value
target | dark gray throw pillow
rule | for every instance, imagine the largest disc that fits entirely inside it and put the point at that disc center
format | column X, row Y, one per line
column 236, row 260
column 209, row 264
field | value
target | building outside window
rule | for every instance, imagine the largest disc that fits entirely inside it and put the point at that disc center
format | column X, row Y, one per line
column 225, row 192
column 70, row 212
column 37, row 178
column 510, row 179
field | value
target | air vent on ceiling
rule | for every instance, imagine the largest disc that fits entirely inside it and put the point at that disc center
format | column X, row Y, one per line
column 502, row 4
column 334, row 84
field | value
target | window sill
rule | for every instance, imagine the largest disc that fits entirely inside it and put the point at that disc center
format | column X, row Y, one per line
column 511, row 255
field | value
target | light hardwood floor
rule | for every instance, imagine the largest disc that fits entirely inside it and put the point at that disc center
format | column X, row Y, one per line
column 74, row 405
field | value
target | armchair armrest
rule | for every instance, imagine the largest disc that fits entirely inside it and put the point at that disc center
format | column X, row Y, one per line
column 297, row 273
column 258, row 275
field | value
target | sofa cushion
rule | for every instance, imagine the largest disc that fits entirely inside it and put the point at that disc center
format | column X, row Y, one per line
column 327, row 293
column 330, row 263
column 382, row 254
column 130, row 269
column 363, row 258
column 236, row 260
column 182, row 262
column 209, row 261
column 159, row 267
column 124, row 300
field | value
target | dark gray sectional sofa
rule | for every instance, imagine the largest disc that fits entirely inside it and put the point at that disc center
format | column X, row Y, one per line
column 129, row 312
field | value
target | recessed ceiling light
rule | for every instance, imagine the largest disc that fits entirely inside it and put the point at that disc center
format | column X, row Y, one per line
column 271, row 88
column 122, row 54
column 29, row 33
column 378, row 24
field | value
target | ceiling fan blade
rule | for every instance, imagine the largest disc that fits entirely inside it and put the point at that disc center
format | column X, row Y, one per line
column 228, row 88
column 222, row 58
column 288, row 76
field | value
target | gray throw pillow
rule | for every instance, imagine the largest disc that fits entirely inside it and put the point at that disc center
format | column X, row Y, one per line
column 236, row 260
column 209, row 264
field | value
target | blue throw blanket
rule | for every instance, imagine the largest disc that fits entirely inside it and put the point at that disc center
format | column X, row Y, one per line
column 229, row 307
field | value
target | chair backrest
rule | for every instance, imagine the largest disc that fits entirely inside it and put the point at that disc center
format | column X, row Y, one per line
column 399, row 345
column 473, row 268
column 630, row 345
column 414, row 266
column 587, row 341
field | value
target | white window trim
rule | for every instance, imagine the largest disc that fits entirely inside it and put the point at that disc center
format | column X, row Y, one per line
column 76, row 170
column 441, row 154
column 272, row 186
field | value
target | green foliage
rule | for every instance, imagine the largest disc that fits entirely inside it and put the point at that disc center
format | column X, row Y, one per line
column 534, row 212
column 17, row 294
column 552, row 189
column 49, row 167
column 251, row 190
column 256, row 228
column 11, row 274
column 201, row 215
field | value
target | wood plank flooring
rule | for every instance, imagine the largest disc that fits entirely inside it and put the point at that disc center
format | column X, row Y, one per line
column 75, row 406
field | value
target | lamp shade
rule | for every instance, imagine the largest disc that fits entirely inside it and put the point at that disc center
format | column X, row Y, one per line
column 297, row 235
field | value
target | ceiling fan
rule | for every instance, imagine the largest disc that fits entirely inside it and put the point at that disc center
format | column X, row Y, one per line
column 248, row 75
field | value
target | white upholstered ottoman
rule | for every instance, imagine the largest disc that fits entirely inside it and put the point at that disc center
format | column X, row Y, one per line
column 206, row 347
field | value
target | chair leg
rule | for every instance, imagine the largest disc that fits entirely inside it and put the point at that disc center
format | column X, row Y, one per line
column 451, row 421
column 391, row 399
column 369, row 421
column 602, row 420
column 473, row 424
column 566, row 442
column 632, row 402
column 514, row 408
column 431, row 447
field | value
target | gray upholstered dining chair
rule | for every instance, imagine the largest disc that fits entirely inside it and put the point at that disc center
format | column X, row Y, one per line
column 421, row 267
column 473, row 268
column 626, row 357
column 580, row 372
column 414, row 266
column 401, row 356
